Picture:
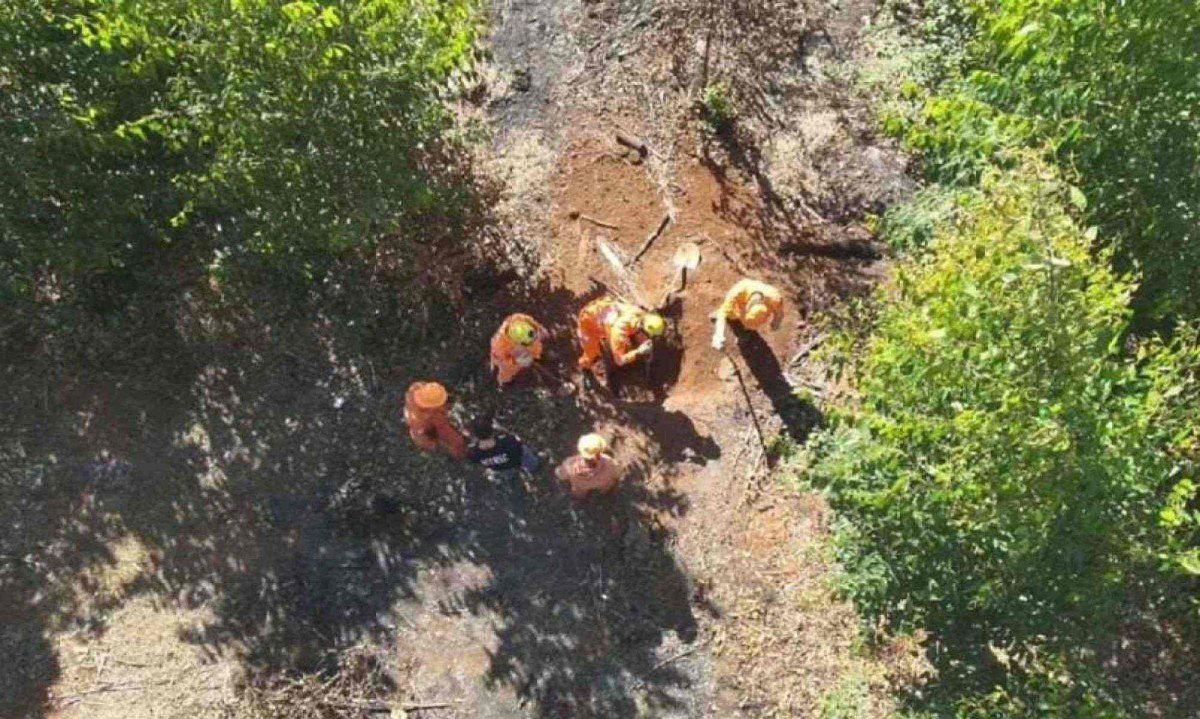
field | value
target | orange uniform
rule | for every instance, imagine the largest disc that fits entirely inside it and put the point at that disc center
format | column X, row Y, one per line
column 738, row 298
column 429, row 426
column 616, row 323
column 586, row 475
column 509, row 357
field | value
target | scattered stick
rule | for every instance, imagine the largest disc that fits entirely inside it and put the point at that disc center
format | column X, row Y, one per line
column 806, row 349
column 430, row 705
column 690, row 650
column 677, row 657
column 662, row 225
column 575, row 214
column 633, row 143
column 378, row 707
column 68, row 699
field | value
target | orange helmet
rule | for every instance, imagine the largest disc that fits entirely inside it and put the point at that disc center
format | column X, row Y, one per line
column 430, row 395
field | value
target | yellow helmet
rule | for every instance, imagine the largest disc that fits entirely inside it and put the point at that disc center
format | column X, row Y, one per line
column 653, row 324
column 756, row 315
column 592, row 445
column 521, row 332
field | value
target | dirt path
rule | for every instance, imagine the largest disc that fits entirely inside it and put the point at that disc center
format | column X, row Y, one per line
column 235, row 547
column 715, row 602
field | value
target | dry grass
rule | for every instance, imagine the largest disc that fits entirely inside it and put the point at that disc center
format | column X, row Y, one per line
column 135, row 663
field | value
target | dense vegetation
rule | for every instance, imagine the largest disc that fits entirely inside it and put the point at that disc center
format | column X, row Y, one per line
column 1110, row 89
column 1017, row 474
column 155, row 141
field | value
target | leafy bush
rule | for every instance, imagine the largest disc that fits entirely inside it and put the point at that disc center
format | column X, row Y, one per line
column 1004, row 479
column 218, row 130
column 910, row 227
column 718, row 107
column 1111, row 88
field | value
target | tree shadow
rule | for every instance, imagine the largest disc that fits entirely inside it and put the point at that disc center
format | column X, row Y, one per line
column 257, row 455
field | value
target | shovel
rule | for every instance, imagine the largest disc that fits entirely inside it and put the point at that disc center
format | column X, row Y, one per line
column 686, row 259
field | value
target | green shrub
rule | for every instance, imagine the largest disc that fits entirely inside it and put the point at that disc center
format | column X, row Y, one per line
column 718, row 107
column 1002, row 481
column 1111, row 88
column 218, row 130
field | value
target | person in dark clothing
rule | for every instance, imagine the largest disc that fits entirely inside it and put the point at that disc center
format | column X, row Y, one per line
column 502, row 455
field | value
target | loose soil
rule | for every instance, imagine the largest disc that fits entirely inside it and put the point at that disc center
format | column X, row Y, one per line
column 701, row 589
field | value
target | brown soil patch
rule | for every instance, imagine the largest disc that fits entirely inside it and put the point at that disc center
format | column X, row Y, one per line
column 599, row 181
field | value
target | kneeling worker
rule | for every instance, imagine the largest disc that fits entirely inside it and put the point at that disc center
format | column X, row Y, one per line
column 516, row 346
column 591, row 470
column 427, row 415
column 753, row 304
column 627, row 330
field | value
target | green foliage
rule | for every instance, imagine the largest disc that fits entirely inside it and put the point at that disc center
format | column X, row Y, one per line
column 1012, row 471
column 851, row 699
column 910, row 227
column 222, row 130
column 1111, row 88
column 719, row 111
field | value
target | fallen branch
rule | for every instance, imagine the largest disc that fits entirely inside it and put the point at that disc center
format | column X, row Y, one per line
column 633, row 143
column 677, row 657
column 579, row 215
column 380, row 707
column 662, row 225
column 68, row 699
column 690, row 650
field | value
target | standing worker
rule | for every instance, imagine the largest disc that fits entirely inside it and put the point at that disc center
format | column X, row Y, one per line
column 751, row 303
column 426, row 412
column 591, row 470
column 515, row 346
column 627, row 330
column 502, row 455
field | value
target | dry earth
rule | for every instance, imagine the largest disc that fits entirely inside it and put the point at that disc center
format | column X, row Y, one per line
column 711, row 594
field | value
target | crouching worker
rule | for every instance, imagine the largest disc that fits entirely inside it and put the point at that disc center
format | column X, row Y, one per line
column 427, row 414
column 516, row 346
column 502, row 455
column 752, row 304
column 624, row 330
column 590, row 471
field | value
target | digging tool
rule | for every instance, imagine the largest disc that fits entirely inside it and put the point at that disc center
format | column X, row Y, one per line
column 686, row 259
column 762, row 440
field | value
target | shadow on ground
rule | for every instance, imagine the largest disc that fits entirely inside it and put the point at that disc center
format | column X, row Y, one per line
column 259, row 458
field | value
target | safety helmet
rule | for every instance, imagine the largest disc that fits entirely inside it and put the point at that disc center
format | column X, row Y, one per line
column 430, row 395
column 756, row 315
column 592, row 445
column 521, row 332
column 653, row 324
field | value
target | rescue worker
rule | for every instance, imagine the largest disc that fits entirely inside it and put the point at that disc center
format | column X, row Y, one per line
column 751, row 303
column 591, row 470
column 515, row 346
column 626, row 330
column 426, row 413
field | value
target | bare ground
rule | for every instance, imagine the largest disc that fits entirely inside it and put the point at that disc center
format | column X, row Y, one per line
column 245, row 506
